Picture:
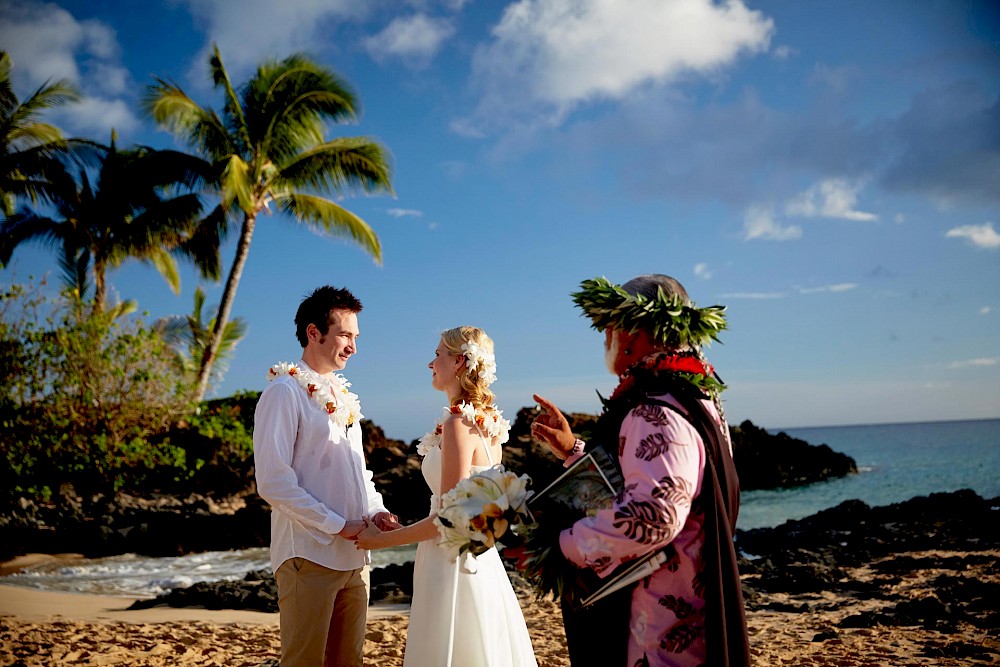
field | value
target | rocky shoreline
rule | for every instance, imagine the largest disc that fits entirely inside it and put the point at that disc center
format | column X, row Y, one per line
column 915, row 583
column 171, row 525
column 852, row 551
column 925, row 572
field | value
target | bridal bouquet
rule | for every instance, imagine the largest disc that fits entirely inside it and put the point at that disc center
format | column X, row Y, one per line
column 480, row 509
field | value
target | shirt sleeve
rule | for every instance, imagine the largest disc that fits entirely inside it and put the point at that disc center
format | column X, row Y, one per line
column 275, row 428
column 662, row 460
column 375, row 502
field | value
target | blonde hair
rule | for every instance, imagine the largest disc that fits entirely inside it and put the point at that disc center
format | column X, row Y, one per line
column 474, row 387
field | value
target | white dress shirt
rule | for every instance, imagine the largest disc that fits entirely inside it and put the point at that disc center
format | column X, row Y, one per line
column 313, row 474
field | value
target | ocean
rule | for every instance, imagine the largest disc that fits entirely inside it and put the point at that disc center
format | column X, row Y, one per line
column 895, row 461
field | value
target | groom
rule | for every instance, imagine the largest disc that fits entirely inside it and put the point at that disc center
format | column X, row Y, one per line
column 310, row 468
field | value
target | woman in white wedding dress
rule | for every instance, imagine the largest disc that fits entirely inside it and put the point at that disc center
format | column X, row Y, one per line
column 464, row 613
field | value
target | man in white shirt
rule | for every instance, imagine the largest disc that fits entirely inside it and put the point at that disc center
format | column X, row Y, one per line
column 310, row 468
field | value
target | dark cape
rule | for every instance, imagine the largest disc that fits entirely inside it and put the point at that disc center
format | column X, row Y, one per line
column 598, row 635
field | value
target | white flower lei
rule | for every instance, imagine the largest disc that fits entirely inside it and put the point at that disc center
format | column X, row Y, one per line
column 490, row 423
column 330, row 394
column 475, row 355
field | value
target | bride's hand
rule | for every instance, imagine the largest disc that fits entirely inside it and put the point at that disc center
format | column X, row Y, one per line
column 368, row 538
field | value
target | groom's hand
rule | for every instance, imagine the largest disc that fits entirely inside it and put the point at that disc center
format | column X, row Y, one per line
column 351, row 529
column 551, row 427
column 386, row 521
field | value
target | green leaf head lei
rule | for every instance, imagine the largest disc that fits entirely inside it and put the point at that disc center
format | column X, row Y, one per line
column 670, row 319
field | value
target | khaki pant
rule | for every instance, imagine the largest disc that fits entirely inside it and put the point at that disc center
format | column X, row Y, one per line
column 322, row 614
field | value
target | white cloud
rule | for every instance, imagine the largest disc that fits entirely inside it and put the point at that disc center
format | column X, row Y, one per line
column 830, row 198
column 838, row 287
column 465, row 127
column 557, row 53
column 404, row 212
column 47, row 43
column 981, row 236
column 784, row 52
column 276, row 33
column 701, row 271
column 976, row 363
column 759, row 223
column 415, row 39
column 99, row 116
column 985, row 310
column 756, row 296
column 836, row 79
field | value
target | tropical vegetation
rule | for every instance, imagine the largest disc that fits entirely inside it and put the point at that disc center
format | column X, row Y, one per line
column 30, row 150
column 94, row 400
column 267, row 148
column 128, row 209
column 189, row 335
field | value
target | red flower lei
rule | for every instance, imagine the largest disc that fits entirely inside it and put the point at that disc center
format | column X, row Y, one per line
column 662, row 361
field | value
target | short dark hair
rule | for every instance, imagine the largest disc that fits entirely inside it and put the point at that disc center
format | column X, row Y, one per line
column 316, row 308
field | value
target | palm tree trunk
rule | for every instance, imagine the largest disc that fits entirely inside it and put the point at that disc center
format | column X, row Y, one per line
column 225, row 306
column 100, row 285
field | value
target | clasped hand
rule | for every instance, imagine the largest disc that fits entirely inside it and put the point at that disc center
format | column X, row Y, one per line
column 368, row 537
column 381, row 521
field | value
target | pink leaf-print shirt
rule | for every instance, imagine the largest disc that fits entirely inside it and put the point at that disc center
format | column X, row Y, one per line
column 663, row 460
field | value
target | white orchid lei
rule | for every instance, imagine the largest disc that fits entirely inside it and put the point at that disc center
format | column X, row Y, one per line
column 330, row 394
column 476, row 355
column 490, row 423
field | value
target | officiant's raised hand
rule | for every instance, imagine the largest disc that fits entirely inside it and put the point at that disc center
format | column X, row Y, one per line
column 551, row 427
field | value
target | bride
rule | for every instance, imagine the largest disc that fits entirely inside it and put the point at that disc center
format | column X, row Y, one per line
column 463, row 613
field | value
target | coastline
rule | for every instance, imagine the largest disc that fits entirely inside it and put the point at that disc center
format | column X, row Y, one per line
column 828, row 628
column 914, row 583
column 42, row 628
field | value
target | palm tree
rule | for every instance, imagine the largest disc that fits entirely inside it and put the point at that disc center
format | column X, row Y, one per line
column 189, row 335
column 268, row 147
column 131, row 210
column 29, row 149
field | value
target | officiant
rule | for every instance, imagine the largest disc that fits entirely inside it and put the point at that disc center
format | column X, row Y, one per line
column 664, row 426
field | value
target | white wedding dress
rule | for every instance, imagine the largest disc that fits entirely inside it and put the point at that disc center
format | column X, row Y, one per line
column 460, row 618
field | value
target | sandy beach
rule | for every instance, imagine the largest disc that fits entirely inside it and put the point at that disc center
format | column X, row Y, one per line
column 44, row 628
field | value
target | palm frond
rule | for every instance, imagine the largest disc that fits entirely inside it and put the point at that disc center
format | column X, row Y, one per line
column 344, row 163
column 175, row 330
column 74, row 267
column 237, row 184
column 26, row 225
column 8, row 100
column 333, row 219
column 233, row 109
column 167, row 268
column 171, row 109
column 202, row 245
column 291, row 102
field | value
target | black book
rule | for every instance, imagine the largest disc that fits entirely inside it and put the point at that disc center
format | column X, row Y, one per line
column 587, row 486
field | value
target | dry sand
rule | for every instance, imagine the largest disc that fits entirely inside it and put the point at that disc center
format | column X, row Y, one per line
column 42, row 628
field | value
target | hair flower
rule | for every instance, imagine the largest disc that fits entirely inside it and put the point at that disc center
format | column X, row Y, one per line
column 477, row 356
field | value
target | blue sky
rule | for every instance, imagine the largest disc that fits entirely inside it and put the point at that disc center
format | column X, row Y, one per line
column 829, row 170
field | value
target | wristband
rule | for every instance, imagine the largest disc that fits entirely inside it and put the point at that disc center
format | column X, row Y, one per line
column 577, row 448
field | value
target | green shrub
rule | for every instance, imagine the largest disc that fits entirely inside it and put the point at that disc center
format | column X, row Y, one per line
column 82, row 395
